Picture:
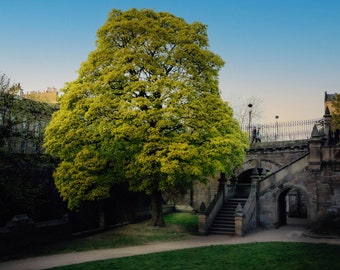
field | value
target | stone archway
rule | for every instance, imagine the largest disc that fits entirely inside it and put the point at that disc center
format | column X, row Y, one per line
column 292, row 207
column 282, row 208
column 269, row 165
column 244, row 180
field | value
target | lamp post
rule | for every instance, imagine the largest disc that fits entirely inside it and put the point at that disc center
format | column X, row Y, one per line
column 277, row 127
column 249, row 123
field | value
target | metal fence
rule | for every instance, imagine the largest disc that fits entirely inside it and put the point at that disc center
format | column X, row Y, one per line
column 284, row 131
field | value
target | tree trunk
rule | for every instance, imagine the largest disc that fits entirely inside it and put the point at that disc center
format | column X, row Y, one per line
column 157, row 209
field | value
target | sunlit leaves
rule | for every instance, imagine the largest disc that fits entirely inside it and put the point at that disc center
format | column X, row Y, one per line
column 336, row 112
column 145, row 109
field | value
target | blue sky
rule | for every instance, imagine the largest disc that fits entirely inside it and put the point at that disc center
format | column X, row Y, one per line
column 284, row 53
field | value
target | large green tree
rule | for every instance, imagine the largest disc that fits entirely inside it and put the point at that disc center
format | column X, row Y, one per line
column 146, row 109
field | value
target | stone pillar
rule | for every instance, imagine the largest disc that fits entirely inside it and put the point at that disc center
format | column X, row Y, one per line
column 202, row 223
column 255, row 176
column 239, row 220
column 315, row 144
column 327, row 126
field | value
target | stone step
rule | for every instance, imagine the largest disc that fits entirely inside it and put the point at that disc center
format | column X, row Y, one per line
column 224, row 222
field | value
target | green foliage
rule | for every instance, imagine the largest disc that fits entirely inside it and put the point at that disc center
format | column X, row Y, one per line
column 145, row 108
column 7, row 87
column 260, row 256
column 336, row 112
column 26, row 187
column 188, row 221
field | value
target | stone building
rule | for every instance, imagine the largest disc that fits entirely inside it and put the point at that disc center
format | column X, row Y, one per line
column 50, row 95
column 22, row 123
column 279, row 183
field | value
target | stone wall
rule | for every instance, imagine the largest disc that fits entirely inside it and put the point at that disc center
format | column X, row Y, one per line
column 319, row 182
column 192, row 200
column 312, row 168
column 272, row 156
column 328, row 191
column 268, row 203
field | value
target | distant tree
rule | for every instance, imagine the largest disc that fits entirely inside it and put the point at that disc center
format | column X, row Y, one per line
column 6, row 86
column 336, row 112
column 241, row 110
column 145, row 108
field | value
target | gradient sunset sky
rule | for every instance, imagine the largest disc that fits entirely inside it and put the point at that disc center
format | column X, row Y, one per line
column 284, row 53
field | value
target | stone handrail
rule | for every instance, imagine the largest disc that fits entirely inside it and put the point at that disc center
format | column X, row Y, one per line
column 205, row 218
column 245, row 219
column 249, row 210
column 278, row 176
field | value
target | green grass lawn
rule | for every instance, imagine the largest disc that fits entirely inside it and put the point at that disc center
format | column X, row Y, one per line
column 273, row 256
column 187, row 221
column 288, row 256
column 178, row 227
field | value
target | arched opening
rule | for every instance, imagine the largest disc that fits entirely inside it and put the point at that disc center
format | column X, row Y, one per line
column 282, row 208
column 244, row 180
column 292, row 207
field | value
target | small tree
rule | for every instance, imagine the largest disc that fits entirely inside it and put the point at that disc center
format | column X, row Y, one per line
column 336, row 112
column 145, row 108
column 241, row 110
column 6, row 85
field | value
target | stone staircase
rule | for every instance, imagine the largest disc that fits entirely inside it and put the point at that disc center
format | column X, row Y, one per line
column 224, row 222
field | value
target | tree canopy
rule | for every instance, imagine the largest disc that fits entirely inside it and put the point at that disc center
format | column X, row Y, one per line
column 145, row 108
column 336, row 112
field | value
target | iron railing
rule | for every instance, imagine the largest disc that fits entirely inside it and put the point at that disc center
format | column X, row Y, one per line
column 284, row 131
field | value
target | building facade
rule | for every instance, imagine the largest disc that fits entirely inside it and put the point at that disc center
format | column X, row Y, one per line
column 22, row 123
